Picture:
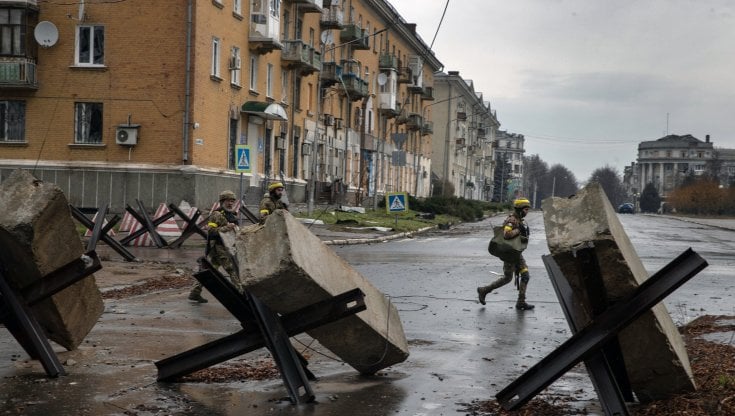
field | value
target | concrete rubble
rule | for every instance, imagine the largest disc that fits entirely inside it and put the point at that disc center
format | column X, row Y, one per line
column 655, row 357
column 37, row 236
column 288, row 267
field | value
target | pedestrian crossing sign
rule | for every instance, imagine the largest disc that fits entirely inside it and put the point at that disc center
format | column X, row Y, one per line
column 396, row 202
column 242, row 158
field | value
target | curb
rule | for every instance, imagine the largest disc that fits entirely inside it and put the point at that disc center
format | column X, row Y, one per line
column 353, row 241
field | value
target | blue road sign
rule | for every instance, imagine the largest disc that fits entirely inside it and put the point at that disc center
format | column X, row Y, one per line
column 242, row 158
column 396, row 202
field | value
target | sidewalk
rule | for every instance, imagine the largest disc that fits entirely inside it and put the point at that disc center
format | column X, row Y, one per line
column 724, row 223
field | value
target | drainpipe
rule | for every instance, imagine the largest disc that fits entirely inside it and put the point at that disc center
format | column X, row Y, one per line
column 187, row 93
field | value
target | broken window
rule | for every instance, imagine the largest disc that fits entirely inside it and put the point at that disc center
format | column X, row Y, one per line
column 88, row 123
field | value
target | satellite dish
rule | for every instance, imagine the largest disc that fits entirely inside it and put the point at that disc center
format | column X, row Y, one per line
column 382, row 79
column 327, row 37
column 46, row 34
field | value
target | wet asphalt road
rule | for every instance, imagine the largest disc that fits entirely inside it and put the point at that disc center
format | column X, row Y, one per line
column 460, row 351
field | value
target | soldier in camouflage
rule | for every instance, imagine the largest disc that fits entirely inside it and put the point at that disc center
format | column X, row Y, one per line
column 514, row 226
column 222, row 220
column 272, row 201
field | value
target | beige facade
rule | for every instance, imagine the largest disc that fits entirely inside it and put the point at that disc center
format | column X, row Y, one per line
column 148, row 100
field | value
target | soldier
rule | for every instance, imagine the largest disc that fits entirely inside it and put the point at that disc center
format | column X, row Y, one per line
column 513, row 227
column 222, row 220
column 272, row 201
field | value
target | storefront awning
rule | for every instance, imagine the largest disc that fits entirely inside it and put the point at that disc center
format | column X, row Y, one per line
column 269, row 111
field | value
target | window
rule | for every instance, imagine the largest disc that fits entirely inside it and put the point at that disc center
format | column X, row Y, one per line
column 275, row 7
column 254, row 72
column 235, row 65
column 297, row 93
column 310, row 96
column 88, row 123
column 12, row 30
column 90, row 45
column 286, row 24
column 284, row 86
column 12, row 121
column 215, row 57
column 237, row 7
column 698, row 168
column 269, row 81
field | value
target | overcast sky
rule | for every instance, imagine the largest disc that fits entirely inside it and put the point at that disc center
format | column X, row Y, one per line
column 586, row 80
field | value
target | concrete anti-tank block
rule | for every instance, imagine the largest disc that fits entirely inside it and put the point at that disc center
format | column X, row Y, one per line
column 288, row 267
column 655, row 357
column 37, row 236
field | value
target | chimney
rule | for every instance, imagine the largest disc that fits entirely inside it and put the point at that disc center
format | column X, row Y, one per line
column 411, row 27
column 706, row 138
column 454, row 73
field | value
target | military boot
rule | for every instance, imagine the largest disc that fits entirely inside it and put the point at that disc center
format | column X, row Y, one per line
column 196, row 295
column 521, row 304
column 482, row 291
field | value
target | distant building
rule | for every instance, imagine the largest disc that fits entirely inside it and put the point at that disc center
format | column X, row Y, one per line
column 667, row 161
column 464, row 131
column 509, row 165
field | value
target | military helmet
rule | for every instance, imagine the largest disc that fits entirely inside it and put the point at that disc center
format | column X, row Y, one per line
column 521, row 203
column 227, row 195
column 274, row 186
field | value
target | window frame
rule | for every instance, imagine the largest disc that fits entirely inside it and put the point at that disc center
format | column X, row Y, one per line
column 96, row 110
column 6, row 118
column 236, row 67
column 93, row 44
column 17, row 32
column 253, row 80
column 269, row 80
column 215, row 68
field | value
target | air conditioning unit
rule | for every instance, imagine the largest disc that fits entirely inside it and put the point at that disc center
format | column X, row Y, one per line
column 235, row 62
column 328, row 120
column 338, row 122
column 127, row 135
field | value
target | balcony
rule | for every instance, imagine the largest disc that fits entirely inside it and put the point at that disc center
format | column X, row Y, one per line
column 355, row 87
column 368, row 142
column 309, row 6
column 332, row 18
column 459, row 142
column 388, row 61
column 18, row 73
column 331, row 73
column 355, row 36
column 264, row 31
column 404, row 74
column 428, row 128
column 388, row 105
column 414, row 122
column 298, row 55
column 428, row 94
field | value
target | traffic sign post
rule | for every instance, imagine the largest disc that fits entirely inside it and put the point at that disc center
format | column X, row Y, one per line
column 242, row 158
column 396, row 202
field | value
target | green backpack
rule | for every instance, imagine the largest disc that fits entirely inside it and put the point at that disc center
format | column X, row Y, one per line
column 506, row 250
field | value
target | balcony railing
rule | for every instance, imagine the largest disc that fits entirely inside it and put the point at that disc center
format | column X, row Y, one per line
column 299, row 55
column 331, row 73
column 355, row 87
column 354, row 36
column 18, row 73
column 414, row 122
column 388, row 61
column 404, row 74
column 332, row 18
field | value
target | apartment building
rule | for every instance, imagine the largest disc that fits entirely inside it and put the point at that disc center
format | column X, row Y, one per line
column 464, row 129
column 117, row 101
column 508, row 174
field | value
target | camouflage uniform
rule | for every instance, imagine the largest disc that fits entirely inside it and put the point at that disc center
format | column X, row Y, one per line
column 216, row 252
column 513, row 226
column 269, row 204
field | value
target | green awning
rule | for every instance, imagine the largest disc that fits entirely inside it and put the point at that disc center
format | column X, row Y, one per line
column 269, row 111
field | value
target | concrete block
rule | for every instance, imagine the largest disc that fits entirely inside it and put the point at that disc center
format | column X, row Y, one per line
column 37, row 236
column 288, row 267
column 655, row 357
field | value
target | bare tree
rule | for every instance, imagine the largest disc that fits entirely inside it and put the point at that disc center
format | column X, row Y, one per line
column 611, row 183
